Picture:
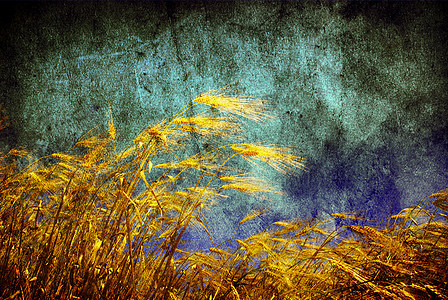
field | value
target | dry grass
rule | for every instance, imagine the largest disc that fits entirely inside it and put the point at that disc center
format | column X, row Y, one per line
column 111, row 225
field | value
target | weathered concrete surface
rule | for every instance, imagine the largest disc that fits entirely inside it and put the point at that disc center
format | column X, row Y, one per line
column 359, row 88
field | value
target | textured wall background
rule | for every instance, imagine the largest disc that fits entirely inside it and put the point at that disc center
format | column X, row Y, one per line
column 359, row 88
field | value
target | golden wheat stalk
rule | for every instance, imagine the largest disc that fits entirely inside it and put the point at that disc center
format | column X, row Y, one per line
column 247, row 184
column 223, row 99
column 278, row 157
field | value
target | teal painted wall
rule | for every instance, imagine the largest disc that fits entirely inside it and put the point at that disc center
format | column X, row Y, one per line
column 359, row 88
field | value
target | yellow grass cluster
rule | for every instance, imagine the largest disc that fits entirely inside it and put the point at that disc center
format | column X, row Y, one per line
column 111, row 225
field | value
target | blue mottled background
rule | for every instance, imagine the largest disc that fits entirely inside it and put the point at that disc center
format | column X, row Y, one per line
column 359, row 87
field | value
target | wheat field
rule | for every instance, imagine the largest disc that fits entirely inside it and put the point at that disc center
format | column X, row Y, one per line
column 97, row 222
